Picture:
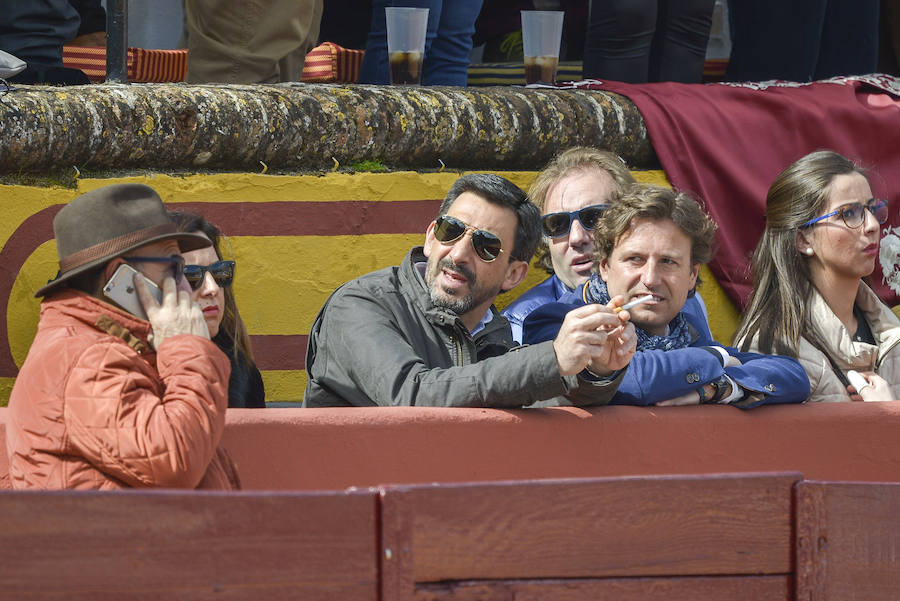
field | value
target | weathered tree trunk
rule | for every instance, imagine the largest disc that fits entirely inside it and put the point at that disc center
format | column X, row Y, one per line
column 302, row 126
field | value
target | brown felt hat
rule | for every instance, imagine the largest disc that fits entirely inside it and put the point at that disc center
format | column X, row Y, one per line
column 108, row 222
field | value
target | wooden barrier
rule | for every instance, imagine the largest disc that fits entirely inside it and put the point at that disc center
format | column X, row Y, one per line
column 332, row 449
column 726, row 533
column 673, row 538
column 188, row 545
column 329, row 449
column 848, row 536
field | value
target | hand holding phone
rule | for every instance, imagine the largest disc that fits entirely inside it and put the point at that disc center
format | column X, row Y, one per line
column 857, row 380
column 171, row 314
column 870, row 387
column 177, row 314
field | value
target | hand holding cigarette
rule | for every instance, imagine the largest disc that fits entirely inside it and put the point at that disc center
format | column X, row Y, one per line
column 594, row 336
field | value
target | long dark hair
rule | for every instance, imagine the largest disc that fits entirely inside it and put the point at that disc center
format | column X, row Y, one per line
column 776, row 313
column 232, row 324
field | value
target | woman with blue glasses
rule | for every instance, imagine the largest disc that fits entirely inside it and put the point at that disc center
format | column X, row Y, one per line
column 810, row 300
column 210, row 278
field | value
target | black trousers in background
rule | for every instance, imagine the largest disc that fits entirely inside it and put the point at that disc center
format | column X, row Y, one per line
column 802, row 40
column 637, row 41
column 36, row 31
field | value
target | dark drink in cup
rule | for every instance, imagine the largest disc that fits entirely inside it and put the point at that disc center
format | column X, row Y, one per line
column 406, row 68
column 541, row 69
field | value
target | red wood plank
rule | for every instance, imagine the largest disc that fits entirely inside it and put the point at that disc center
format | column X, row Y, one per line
column 396, row 566
column 188, row 545
column 610, row 527
column 720, row 588
column 848, row 541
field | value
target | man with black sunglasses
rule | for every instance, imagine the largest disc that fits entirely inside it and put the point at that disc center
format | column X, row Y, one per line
column 572, row 192
column 107, row 399
column 427, row 333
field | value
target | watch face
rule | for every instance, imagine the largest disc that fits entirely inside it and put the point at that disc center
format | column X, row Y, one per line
column 723, row 388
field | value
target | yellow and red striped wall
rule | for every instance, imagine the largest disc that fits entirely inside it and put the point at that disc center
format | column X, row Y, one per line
column 295, row 239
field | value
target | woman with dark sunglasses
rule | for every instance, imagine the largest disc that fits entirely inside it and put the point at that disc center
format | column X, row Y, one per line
column 810, row 298
column 210, row 278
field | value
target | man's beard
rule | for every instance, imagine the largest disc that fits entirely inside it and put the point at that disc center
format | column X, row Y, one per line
column 446, row 299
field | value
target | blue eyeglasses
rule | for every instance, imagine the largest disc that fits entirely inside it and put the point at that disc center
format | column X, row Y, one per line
column 557, row 225
column 854, row 213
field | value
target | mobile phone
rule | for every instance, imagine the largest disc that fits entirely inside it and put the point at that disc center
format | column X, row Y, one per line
column 857, row 380
column 120, row 289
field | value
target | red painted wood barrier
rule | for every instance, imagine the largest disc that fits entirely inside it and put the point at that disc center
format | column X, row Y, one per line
column 332, row 449
column 727, row 537
column 188, row 545
column 483, row 537
column 848, row 541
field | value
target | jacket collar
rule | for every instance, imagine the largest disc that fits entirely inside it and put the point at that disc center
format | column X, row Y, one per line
column 88, row 309
column 559, row 288
column 839, row 343
column 414, row 284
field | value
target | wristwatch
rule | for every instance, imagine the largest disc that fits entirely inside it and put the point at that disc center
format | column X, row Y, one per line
column 721, row 389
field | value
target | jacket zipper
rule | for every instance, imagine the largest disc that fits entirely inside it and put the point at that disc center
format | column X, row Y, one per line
column 881, row 355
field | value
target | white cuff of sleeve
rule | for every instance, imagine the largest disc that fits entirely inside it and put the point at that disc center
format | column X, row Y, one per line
column 722, row 352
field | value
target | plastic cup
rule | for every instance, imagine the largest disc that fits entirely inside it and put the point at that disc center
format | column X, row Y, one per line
column 541, row 35
column 406, row 29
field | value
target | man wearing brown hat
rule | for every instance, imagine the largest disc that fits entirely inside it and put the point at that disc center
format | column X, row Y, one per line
column 106, row 399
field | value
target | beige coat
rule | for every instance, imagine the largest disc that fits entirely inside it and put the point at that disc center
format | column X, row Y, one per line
column 883, row 358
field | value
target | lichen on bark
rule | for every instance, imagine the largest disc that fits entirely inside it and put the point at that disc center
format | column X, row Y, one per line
column 298, row 127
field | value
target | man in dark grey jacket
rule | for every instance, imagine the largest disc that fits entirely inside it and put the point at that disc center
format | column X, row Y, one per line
column 426, row 332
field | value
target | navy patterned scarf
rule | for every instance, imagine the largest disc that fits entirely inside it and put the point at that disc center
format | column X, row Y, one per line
column 679, row 333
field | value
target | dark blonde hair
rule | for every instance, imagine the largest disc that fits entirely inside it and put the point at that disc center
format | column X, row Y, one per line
column 655, row 203
column 571, row 161
column 776, row 311
column 232, row 324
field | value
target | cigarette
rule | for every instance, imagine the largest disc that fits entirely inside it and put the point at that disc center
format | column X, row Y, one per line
column 634, row 303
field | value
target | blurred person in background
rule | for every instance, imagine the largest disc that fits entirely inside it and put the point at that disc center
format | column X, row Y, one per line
column 36, row 32
column 802, row 40
column 639, row 41
column 239, row 41
column 448, row 42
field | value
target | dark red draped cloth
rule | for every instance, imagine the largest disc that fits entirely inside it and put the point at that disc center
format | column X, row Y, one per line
column 727, row 142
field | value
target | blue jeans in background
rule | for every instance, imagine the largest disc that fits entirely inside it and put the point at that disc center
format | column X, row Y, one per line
column 448, row 42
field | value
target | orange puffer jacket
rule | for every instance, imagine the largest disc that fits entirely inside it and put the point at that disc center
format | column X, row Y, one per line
column 94, row 407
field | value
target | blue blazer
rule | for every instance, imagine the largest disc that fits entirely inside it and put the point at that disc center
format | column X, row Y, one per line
column 548, row 291
column 654, row 376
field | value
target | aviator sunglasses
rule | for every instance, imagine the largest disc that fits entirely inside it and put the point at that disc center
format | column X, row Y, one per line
column 221, row 271
column 449, row 229
column 176, row 262
column 854, row 213
column 557, row 225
